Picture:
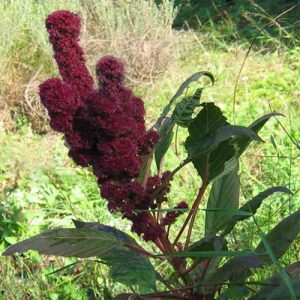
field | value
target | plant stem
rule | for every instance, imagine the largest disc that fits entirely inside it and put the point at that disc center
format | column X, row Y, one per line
column 205, row 268
column 192, row 213
column 141, row 250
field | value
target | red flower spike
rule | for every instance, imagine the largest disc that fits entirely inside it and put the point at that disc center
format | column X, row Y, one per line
column 103, row 128
column 110, row 70
column 64, row 28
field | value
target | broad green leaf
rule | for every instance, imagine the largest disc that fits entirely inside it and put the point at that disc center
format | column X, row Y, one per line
column 252, row 206
column 212, row 143
column 183, row 111
column 282, row 291
column 91, row 239
column 279, row 239
column 120, row 235
column 292, row 270
column 68, row 242
column 193, row 78
column 281, row 236
column 216, row 163
column 166, row 135
column 224, row 194
column 236, row 265
column 271, row 256
column 210, row 243
column 200, row 139
column 127, row 266
column 134, row 272
column 234, row 291
column 208, row 120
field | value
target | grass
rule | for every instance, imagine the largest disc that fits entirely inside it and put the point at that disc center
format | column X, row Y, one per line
column 41, row 188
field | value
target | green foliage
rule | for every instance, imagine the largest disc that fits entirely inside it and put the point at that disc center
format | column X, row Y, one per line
column 166, row 135
column 252, row 206
column 92, row 239
column 183, row 111
column 193, row 78
column 213, row 145
column 224, row 195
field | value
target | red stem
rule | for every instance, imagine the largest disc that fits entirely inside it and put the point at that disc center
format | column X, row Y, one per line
column 143, row 251
column 192, row 213
column 205, row 268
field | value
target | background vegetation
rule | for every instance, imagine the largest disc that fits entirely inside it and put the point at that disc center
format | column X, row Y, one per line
column 41, row 188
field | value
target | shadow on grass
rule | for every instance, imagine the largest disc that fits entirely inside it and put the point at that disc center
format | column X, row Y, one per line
column 234, row 21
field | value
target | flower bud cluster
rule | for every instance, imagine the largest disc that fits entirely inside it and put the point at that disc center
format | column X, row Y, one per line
column 104, row 128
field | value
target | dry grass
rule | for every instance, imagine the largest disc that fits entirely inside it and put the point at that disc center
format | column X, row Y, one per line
column 137, row 31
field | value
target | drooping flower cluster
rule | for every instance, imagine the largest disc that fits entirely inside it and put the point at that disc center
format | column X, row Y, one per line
column 171, row 216
column 104, row 127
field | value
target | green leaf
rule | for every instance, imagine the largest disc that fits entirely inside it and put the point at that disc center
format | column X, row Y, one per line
column 166, row 135
column 224, row 194
column 234, row 291
column 273, row 259
column 120, row 235
column 127, row 266
column 252, row 206
column 292, row 270
column 92, row 239
column 208, row 120
column 214, row 164
column 282, row 292
column 199, row 142
column 211, row 243
column 189, row 80
column 212, row 145
column 67, row 242
column 242, row 143
column 279, row 240
column 183, row 86
column 183, row 111
column 281, row 236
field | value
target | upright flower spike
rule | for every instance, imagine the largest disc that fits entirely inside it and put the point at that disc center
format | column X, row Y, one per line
column 64, row 29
